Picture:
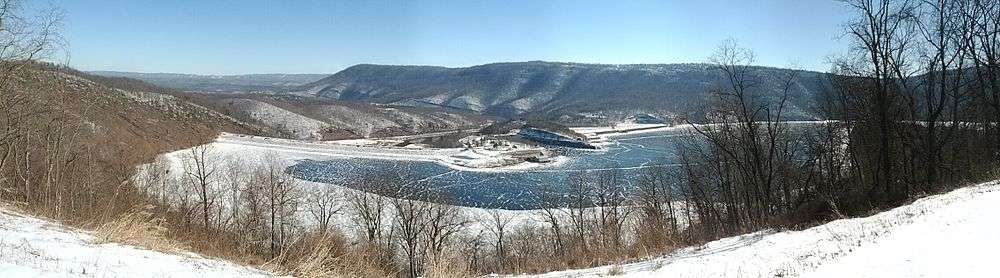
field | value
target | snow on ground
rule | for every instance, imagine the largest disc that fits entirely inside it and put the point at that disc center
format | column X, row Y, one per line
column 601, row 136
column 602, row 133
column 455, row 158
column 358, row 142
column 949, row 235
column 620, row 127
column 32, row 247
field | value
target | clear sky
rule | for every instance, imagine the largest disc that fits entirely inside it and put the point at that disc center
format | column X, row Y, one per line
column 272, row 36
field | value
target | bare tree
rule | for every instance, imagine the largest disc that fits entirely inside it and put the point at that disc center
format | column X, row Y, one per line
column 201, row 171
column 237, row 177
column 497, row 223
column 254, row 213
column 654, row 198
column 410, row 218
column 882, row 33
column 981, row 22
column 150, row 176
column 612, row 212
column 443, row 223
column 368, row 210
column 25, row 38
column 183, row 197
column 580, row 192
column 748, row 146
column 473, row 246
column 552, row 216
column 323, row 204
column 281, row 194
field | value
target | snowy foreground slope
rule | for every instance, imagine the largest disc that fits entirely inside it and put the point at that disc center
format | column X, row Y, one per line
column 32, row 247
column 949, row 235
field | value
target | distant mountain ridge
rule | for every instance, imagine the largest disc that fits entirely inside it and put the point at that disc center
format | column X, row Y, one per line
column 556, row 90
column 244, row 83
column 571, row 93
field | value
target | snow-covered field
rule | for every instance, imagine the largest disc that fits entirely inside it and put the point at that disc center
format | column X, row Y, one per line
column 955, row 234
column 622, row 129
column 33, row 247
column 455, row 158
column 617, row 128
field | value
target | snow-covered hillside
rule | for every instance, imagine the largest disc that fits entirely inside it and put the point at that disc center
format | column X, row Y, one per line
column 297, row 125
column 554, row 90
column 949, row 235
column 33, row 247
column 298, row 117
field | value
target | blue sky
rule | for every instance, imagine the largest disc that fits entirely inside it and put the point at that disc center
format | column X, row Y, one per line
column 271, row 36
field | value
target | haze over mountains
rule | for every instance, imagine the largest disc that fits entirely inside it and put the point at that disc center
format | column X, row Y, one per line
column 220, row 83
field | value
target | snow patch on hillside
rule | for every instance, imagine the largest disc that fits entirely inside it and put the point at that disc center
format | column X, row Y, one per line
column 509, row 90
column 356, row 120
column 467, row 102
column 547, row 94
column 33, row 247
column 300, row 126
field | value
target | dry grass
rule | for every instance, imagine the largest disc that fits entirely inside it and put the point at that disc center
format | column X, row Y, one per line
column 448, row 265
column 326, row 255
column 361, row 267
column 140, row 228
column 317, row 257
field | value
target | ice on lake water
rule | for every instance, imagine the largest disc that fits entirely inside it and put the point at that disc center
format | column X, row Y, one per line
column 514, row 189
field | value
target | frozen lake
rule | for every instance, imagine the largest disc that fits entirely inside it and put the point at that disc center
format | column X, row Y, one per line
column 508, row 189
